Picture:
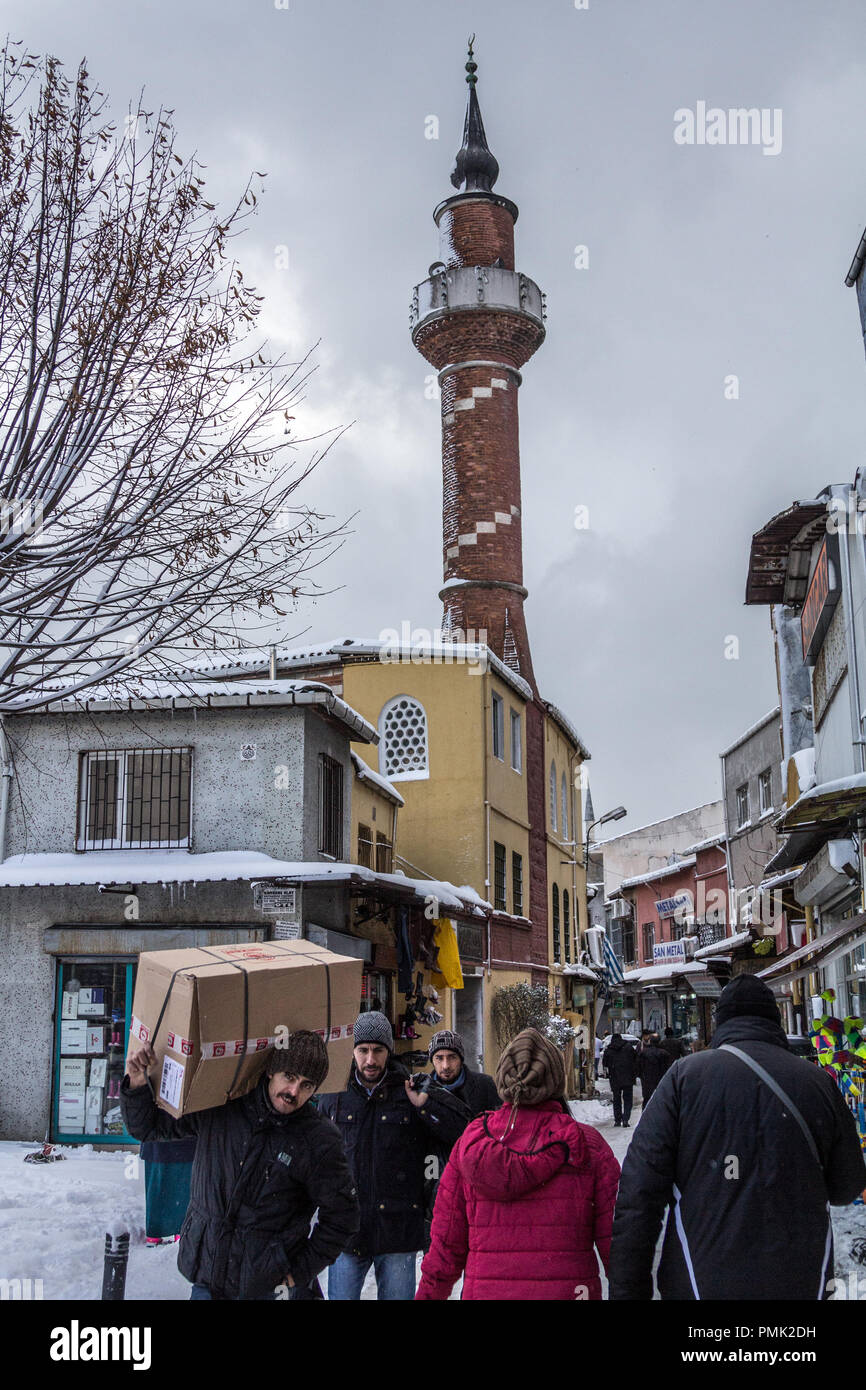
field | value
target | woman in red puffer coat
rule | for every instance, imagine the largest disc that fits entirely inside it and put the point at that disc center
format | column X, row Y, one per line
column 527, row 1196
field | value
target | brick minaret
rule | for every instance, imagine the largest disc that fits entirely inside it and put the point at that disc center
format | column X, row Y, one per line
column 477, row 320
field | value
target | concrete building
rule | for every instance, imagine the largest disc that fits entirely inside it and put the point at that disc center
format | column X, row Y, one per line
column 752, row 792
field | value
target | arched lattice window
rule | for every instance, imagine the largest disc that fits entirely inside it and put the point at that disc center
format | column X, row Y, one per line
column 566, row 926
column 553, row 796
column 564, row 807
column 403, row 740
column 556, row 943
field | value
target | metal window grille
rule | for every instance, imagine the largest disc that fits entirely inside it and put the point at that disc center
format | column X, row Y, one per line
column 330, row 806
column 499, row 893
column 383, row 854
column 135, row 798
column 403, row 751
column 556, row 941
column 365, row 846
column 566, row 925
column 517, row 882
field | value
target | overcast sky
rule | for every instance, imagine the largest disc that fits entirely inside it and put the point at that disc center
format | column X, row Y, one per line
column 705, row 261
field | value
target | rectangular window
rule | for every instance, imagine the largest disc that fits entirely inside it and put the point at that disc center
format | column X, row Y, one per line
column 628, row 943
column 498, row 727
column 365, row 846
column 516, row 743
column 330, row 806
column 765, row 793
column 743, row 805
column 649, row 936
column 92, row 1017
column 517, row 884
column 383, row 854
column 132, row 798
column 499, row 898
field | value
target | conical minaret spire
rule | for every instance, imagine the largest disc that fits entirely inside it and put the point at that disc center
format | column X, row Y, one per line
column 475, row 169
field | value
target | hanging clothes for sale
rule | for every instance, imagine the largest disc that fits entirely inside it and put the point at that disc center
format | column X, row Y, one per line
column 405, row 960
column 450, row 972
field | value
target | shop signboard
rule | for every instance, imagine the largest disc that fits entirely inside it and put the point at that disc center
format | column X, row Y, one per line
column 669, row 952
column 821, row 599
column 666, row 907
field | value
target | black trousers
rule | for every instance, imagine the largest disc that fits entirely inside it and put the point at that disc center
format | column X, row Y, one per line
column 622, row 1097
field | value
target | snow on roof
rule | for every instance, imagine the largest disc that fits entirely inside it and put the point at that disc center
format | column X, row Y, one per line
column 727, row 943
column 183, row 694
column 658, row 873
column 713, row 842
column 366, row 774
column 774, row 714
column 651, row 825
column 777, row 880
column 582, row 972
column 567, row 728
column 138, row 866
column 855, row 782
column 650, row 973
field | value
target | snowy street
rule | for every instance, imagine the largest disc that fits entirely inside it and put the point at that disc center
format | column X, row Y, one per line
column 53, row 1218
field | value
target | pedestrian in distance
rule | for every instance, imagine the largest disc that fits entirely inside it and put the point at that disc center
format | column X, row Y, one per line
column 675, row 1047
column 264, row 1164
column 747, row 1146
column 390, row 1128
column 527, row 1196
column 620, row 1064
column 652, row 1063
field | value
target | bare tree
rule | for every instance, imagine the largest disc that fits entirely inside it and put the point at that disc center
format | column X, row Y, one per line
column 147, row 464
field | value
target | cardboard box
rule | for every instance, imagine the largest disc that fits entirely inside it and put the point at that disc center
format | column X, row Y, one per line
column 204, row 1054
column 70, row 1114
column 73, row 1037
column 72, row 1079
column 95, row 1039
column 98, row 1071
column 93, row 1103
column 69, row 1007
column 91, row 1002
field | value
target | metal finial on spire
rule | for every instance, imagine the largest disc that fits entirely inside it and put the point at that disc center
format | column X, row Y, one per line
column 475, row 168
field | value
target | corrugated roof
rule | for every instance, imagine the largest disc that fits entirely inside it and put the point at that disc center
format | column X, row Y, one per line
column 781, row 553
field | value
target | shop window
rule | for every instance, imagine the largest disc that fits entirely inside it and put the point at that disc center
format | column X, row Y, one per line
column 403, row 740
column 330, row 806
column 743, row 806
column 365, row 846
column 517, row 883
column 92, row 1014
column 516, row 742
column 765, row 794
column 557, row 945
column 376, row 992
column 498, row 713
column 499, row 899
column 566, row 925
column 134, row 799
column 383, row 854
column 553, row 796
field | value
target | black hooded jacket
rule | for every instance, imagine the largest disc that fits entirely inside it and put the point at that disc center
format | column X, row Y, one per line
column 652, row 1063
column 620, row 1062
column 390, row 1144
column 257, row 1179
column 749, row 1206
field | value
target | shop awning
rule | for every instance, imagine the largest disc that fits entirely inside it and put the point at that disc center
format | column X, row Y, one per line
column 653, row 976
column 826, row 806
column 781, row 552
column 723, row 946
column 819, row 952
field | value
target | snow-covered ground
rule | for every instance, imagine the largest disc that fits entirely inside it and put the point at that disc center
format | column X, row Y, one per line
column 53, row 1218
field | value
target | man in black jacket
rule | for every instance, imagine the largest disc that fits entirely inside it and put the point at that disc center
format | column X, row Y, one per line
column 388, row 1127
column 673, row 1046
column 652, row 1063
column 470, row 1093
column 748, row 1163
column 263, row 1165
column 620, row 1064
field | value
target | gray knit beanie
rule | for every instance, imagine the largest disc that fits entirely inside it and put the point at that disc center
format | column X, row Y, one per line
column 446, row 1041
column 373, row 1028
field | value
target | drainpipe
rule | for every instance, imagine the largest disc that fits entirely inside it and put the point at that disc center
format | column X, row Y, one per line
column 484, row 727
column 7, row 775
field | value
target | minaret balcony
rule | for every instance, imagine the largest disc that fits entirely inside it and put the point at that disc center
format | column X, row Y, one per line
column 460, row 288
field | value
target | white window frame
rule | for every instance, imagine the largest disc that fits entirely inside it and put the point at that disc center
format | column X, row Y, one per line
column 765, row 779
column 742, row 820
column 497, row 712
column 119, row 841
column 414, row 774
column 516, row 741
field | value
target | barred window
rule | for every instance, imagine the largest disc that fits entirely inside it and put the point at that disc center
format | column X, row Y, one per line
column 403, row 740
column 566, row 926
column 383, row 854
column 500, row 901
column 517, row 883
column 365, row 846
column 330, row 806
column 135, row 798
column 556, row 942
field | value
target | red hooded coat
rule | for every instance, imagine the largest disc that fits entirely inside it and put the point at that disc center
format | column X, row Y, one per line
column 524, row 1199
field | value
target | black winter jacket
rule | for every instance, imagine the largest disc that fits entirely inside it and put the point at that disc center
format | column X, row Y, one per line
column 652, row 1064
column 620, row 1062
column 257, row 1179
column 477, row 1094
column 390, row 1144
column 749, row 1207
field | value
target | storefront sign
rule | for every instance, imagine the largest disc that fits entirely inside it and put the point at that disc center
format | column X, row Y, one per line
column 821, row 599
column 668, row 952
column 706, row 986
column 668, row 906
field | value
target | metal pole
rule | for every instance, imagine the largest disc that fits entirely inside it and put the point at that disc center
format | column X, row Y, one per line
column 114, row 1268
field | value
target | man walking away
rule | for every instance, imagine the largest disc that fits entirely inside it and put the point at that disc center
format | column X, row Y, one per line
column 263, row 1165
column 386, row 1124
column 620, row 1063
column 651, row 1067
column 673, row 1046
column 748, row 1146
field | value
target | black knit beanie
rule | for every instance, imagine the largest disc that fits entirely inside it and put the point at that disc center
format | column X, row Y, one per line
column 747, row 997
column 304, row 1054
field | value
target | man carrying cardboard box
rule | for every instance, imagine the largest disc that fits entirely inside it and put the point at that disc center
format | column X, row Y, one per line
column 263, row 1165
